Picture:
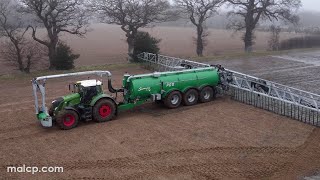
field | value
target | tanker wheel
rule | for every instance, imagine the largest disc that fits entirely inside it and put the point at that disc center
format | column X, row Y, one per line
column 104, row 110
column 67, row 119
column 207, row 94
column 173, row 100
column 190, row 97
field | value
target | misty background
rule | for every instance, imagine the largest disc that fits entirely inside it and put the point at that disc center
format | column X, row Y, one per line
column 309, row 15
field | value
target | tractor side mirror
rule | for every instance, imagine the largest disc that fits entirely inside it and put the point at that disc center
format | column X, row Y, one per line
column 70, row 88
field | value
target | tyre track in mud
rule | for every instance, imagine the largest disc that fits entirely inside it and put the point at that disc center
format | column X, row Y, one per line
column 161, row 110
column 22, row 132
column 18, row 128
column 306, row 158
column 210, row 171
column 21, row 105
column 28, row 131
column 146, row 167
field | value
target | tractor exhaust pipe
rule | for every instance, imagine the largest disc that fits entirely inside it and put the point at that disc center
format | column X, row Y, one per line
column 113, row 90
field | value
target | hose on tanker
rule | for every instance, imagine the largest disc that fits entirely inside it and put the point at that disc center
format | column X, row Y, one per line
column 113, row 90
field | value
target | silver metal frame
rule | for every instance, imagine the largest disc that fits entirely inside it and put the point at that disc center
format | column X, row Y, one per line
column 167, row 63
column 40, row 82
column 249, row 89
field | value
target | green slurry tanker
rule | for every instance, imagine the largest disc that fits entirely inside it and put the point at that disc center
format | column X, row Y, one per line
column 87, row 100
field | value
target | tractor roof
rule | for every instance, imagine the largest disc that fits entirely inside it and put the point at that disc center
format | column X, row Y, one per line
column 89, row 83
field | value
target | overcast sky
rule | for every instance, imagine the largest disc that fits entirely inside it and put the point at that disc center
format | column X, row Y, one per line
column 313, row 5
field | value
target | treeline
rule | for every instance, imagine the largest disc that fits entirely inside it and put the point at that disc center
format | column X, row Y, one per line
column 21, row 17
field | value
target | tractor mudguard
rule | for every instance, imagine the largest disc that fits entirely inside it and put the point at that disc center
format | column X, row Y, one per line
column 100, row 96
column 73, row 109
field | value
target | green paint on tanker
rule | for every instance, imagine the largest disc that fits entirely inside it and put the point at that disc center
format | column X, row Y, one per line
column 142, row 86
column 124, row 80
column 127, row 106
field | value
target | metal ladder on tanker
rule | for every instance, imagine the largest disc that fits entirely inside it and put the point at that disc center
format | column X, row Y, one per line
column 277, row 98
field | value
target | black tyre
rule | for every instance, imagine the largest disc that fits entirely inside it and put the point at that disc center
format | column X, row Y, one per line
column 51, row 110
column 67, row 119
column 104, row 110
column 173, row 100
column 190, row 97
column 55, row 104
column 207, row 94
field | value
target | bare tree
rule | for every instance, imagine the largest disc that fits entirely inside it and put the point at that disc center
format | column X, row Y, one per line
column 15, row 48
column 198, row 12
column 29, row 53
column 274, row 41
column 56, row 16
column 251, row 12
column 132, row 15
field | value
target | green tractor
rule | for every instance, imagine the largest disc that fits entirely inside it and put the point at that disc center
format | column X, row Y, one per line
column 88, row 101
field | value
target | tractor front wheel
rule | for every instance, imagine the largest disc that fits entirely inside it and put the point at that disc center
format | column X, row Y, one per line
column 67, row 119
column 104, row 110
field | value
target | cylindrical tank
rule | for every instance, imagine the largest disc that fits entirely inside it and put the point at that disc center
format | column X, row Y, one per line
column 143, row 86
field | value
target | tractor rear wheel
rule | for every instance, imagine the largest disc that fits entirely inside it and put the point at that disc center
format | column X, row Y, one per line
column 67, row 119
column 207, row 94
column 104, row 110
column 190, row 97
column 173, row 100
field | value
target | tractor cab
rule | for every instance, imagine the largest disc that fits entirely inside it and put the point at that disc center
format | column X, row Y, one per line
column 88, row 89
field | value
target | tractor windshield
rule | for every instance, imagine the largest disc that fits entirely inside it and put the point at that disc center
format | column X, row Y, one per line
column 77, row 88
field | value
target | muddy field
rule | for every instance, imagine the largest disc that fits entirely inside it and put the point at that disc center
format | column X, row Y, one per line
column 222, row 139
column 106, row 44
